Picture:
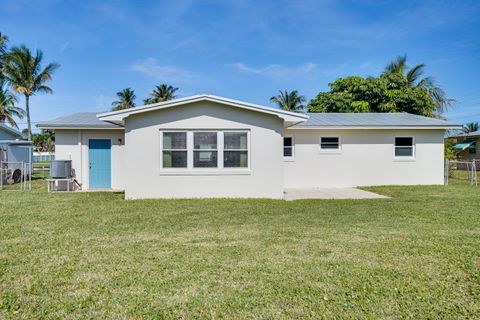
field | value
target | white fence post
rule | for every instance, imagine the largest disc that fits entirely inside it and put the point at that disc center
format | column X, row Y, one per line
column 446, row 171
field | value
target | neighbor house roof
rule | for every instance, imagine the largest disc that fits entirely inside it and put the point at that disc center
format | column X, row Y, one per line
column 17, row 134
column 118, row 117
column 470, row 134
column 373, row 120
column 80, row 120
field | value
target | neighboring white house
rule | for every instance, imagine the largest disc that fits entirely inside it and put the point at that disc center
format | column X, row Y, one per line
column 14, row 154
column 209, row 146
column 10, row 134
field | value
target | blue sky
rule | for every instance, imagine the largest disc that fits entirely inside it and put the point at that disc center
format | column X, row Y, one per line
column 244, row 50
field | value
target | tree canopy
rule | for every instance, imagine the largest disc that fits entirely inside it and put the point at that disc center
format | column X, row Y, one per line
column 161, row 93
column 44, row 141
column 8, row 110
column 397, row 89
column 23, row 71
column 470, row 127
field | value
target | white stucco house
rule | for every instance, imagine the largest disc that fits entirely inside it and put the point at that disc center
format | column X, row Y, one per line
column 209, row 146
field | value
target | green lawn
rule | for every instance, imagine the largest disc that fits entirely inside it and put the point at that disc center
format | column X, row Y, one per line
column 94, row 255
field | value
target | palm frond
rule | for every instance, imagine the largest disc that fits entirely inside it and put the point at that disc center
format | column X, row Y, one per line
column 289, row 101
column 161, row 93
column 126, row 100
column 23, row 71
column 8, row 109
column 415, row 73
column 3, row 43
column 470, row 127
column 399, row 65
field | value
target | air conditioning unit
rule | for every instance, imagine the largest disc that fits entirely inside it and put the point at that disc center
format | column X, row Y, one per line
column 61, row 169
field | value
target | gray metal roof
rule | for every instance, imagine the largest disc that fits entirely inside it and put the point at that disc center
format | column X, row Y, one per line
column 368, row 120
column 89, row 120
column 470, row 134
column 83, row 120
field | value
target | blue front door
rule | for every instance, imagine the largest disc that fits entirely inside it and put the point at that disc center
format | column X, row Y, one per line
column 100, row 161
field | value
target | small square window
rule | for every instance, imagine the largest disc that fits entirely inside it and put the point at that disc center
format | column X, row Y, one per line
column 404, row 147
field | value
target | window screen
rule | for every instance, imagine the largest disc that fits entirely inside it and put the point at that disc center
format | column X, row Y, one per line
column 235, row 146
column 174, row 150
column 205, row 150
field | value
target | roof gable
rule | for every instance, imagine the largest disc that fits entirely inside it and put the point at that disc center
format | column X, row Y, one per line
column 118, row 117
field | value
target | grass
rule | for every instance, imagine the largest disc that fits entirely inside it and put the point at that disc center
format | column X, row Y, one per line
column 44, row 164
column 94, row 255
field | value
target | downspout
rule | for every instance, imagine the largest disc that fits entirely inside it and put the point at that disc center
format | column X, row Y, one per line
column 81, row 154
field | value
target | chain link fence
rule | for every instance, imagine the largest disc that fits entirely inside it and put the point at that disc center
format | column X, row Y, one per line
column 461, row 172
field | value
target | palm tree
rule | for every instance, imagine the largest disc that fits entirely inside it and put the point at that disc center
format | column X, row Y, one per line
column 3, row 49
column 470, row 127
column 126, row 100
column 161, row 93
column 413, row 76
column 3, row 45
column 24, row 72
column 8, row 110
column 289, row 101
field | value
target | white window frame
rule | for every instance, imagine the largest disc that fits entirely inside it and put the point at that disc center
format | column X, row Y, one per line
column 190, row 169
column 220, row 161
column 207, row 150
column 292, row 157
column 404, row 158
column 161, row 150
column 330, row 151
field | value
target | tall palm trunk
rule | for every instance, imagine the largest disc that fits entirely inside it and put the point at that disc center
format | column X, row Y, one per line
column 27, row 109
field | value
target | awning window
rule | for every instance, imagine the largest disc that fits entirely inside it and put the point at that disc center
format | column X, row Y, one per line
column 464, row 145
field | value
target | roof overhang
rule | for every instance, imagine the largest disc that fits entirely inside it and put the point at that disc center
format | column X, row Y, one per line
column 441, row 127
column 12, row 131
column 473, row 135
column 15, row 142
column 118, row 117
column 72, row 127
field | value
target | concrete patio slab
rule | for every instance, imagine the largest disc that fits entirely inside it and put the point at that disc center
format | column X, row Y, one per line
column 330, row 193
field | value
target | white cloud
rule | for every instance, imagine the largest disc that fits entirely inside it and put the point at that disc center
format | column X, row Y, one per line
column 276, row 71
column 150, row 67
